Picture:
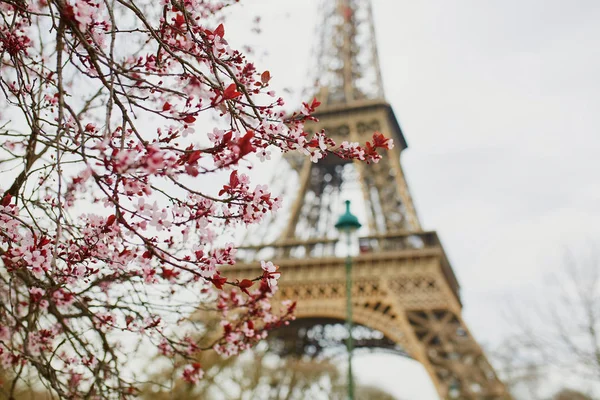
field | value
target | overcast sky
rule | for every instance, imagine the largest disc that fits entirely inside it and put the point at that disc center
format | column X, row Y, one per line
column 499, row 102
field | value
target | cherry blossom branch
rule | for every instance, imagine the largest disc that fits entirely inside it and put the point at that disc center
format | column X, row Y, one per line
column 109, row 233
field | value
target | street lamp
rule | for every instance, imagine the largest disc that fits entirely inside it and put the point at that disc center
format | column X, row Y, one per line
column 347, row 224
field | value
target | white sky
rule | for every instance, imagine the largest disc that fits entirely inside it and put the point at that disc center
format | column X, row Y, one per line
column 499, row 104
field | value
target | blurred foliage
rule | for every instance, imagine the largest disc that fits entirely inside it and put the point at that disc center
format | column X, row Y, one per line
column 259, row 374
column 568, row 394
column 28, row 389
column 555, row 337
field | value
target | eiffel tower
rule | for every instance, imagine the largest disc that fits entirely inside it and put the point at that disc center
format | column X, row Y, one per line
column 403, row 283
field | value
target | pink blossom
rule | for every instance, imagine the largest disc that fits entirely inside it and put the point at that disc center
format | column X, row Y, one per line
column 264, row 155
column 268, row 266
column 36, row 294
column 193, row 373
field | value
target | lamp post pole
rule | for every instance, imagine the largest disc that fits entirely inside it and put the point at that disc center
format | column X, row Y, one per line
column 350, row 341
column 347, row 224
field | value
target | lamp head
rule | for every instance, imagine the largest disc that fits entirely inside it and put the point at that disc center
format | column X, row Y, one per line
column 347, row 221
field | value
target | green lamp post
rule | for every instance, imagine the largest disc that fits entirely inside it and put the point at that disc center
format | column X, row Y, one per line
column 347, row 224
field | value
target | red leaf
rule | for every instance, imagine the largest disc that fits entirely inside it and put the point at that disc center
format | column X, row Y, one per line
column 315, row 103
column 245, row 284
column 265, row 77
column 227, row 137
column 179, row 20
column 69, row 12
column 189, row 119
column 218, row 281
column 313, row 143
column 231, row 92
column 379, row 140
column 220, row 31
column 233, row 179
column 166, row 106
column 245, row 144
column 194, row 156
column 169, row 273
column 6, row 199
column 111, row 220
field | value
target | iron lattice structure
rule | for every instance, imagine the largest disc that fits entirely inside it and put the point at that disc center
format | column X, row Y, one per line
column 403, row 284
column 347, row 59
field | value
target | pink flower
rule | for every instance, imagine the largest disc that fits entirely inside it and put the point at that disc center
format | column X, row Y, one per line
column 315, row 155
column 36, row 262
column 270, row 275
column 4, row 333
column 63, row 298
column 36, row 294
column 268, row 266
column 192, row 373
column 155, row 160
column 264, row 154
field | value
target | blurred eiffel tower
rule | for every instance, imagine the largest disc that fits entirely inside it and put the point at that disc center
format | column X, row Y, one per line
column 405, row 294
